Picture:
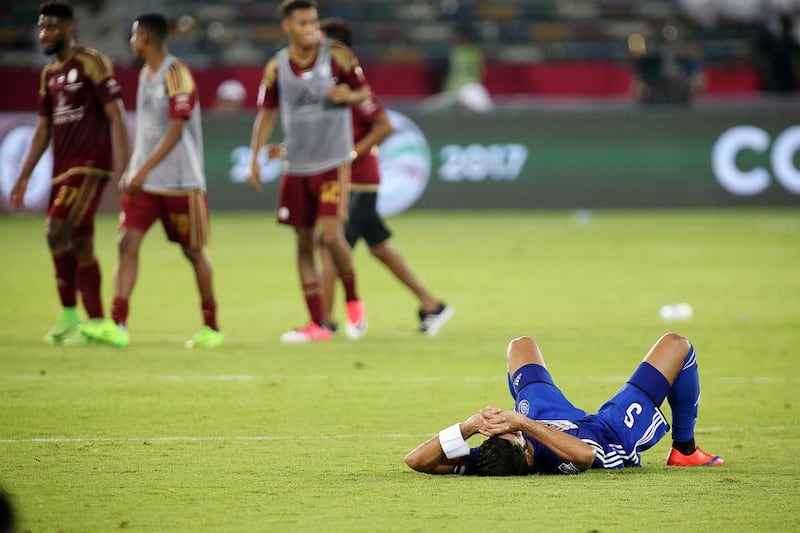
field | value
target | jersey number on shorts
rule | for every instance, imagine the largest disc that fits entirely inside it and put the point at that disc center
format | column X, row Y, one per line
column 633, row 410
column 66, row 196
column 179, row 222
column 330, row 192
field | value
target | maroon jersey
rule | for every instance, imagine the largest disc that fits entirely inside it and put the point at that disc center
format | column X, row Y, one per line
column 72, row 94
column 365, row 174
column 344, row 67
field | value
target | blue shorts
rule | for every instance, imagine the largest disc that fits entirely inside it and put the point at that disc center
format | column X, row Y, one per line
column 629, row 423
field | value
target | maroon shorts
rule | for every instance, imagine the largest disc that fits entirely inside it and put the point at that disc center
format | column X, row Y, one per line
column 304, row 199
column 183, row 214
column 75, row 200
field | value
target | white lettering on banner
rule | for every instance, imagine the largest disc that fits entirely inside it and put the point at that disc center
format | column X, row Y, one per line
column 477, row 162
column 756, row 180
column 404, row 158
column 783, row 151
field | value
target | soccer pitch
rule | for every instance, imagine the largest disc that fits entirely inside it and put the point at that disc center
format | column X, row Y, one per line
column 261, row 436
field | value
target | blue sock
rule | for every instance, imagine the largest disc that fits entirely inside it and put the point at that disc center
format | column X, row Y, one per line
column 683, row 398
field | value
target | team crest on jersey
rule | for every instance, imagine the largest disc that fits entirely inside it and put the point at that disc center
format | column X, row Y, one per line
column 72, row 75
column 523, row 407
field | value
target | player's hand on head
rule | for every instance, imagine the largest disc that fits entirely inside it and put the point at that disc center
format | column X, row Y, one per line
column 495, row 421
column 473, row 425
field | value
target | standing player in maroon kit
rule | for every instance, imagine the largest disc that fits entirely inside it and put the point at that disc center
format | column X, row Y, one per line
column 165, row 182
column 80, row 108
column 370, row 127
column 313, row 82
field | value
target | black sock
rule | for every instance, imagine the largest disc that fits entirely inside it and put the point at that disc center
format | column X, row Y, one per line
column 686, row 447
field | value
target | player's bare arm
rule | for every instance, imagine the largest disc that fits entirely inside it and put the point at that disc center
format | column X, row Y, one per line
column 170, row 139
column 115, row 112
column 381, row 128
column 499, row 421
column 262, row 130
column 39, row 142
column 429, row 457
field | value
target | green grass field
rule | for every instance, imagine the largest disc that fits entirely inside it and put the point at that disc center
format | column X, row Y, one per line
column 260, row 436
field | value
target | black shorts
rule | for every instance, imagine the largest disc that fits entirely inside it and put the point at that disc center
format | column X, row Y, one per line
column 364, row 220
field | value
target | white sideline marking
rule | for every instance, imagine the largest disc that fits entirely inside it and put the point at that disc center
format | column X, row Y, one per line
column 267, row 438
column 760, row 380
column 63, row 440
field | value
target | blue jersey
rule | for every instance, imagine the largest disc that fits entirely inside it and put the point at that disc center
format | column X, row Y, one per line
column 627, row 424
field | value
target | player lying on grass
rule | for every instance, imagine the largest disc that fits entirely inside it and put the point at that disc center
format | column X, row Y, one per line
column 547, row 434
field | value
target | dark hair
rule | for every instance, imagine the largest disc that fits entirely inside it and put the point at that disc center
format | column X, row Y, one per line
column 288, row 6
column 57, row 8
column 338, row 30
column 7, row 518
column 154, row 24
column 501, row 457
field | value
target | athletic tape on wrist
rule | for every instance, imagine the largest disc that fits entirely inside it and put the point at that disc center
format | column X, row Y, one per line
column 453, row 444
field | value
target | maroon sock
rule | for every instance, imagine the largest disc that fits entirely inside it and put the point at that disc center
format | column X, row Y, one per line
column 210, row 313
column 66, row 266
column 89, row 282
column 349, row 282
column 119, row 310
column 313, row 298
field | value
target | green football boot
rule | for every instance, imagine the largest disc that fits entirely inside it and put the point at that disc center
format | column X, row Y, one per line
column 106, row 331
column 206, row 338
column 67, row 325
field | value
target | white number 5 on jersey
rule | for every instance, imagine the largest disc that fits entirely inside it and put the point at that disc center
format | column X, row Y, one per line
column 633, row 410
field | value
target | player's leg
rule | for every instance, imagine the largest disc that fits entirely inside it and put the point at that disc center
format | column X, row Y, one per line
column 296, row 211
column 531, row 385
column 674, row 360
column 328, row 278
column 333, row 202
column 523, row 351
column 137, row 215
column 65, row 267
column 316, row 329
column 186, row 222
column 68, row 205
column 330, row 273
column 209, row 335
column 333, row 238
column 433, row 314
column 114, row 331
column 88, row 275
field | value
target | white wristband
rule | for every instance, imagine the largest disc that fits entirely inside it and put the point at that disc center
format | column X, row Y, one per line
column 453, row 444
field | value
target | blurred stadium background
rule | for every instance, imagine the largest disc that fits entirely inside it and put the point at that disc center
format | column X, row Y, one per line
column 533, row 47
column 570, row 80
